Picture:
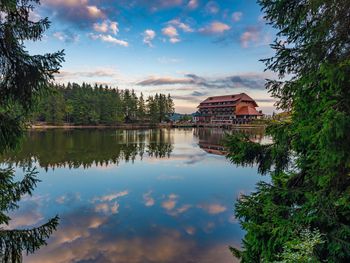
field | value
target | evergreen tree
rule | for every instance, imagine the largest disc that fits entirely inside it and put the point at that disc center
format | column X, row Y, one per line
column 23, row 78
column 309, row 159
column 152, row 109
column 141, row 108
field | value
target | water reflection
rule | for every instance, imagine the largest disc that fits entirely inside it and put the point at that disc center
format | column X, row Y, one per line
column 211, row 140
column 86, row 148
column 134, row 196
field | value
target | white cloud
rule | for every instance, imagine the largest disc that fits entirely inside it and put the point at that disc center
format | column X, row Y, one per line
column 148, row 36
column 67, row 36
column 114, row 27
column 106, row 26
column 101, row 27
column 237, row 16
column 171, row 32
column 212, row 7
column 184, row 27
column 109, row 39
column 215, row 28
column 192, row 4
column 174, row 40
column 94, row 11
column 251, row 35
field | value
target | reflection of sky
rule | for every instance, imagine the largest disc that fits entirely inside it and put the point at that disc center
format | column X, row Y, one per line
column 177, row 209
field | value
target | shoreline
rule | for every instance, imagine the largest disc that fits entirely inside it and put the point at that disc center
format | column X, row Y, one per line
column 140, row 126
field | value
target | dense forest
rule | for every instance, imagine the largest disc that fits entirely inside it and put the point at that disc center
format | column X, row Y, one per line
column 92, row 105
column 303, row 214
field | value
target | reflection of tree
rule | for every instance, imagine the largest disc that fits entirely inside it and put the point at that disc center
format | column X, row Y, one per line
column 211, row 140
column 75, row 148
column 23, row 78
column 159, row 144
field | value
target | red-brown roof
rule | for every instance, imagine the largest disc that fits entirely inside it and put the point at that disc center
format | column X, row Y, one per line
column 247, row 110
column 229, row 98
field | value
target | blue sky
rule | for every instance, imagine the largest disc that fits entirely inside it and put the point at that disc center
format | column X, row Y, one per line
column 189, row 48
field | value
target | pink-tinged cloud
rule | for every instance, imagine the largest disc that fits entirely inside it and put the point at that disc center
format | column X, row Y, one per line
column 109, row 39
column 215, row 28
column 251, row 35
column 101, row 27
column 106, row 26
column 212, row 7
column 94, row 11
column 79, row 12
column 184, row 27
column 237, row 16
column 192, row 4
column 148, row 37
column 170, row 31
column 114, row 27
column 158, row 81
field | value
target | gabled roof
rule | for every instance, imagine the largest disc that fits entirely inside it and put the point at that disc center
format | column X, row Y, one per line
column 230, row 98
column 248, row 110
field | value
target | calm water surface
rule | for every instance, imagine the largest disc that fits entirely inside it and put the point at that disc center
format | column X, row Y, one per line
column 133, row 196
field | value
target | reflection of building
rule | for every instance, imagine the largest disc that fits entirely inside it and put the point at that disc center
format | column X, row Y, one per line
column 211, row 140
column 229, row 109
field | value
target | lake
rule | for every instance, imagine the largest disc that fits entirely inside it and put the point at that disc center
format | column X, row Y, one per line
column 163, row 195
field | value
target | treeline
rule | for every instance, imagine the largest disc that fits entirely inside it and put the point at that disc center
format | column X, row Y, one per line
column 92, row 105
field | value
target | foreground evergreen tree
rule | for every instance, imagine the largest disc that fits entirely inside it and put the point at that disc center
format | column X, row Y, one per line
column 309, row 159
column 23, row 78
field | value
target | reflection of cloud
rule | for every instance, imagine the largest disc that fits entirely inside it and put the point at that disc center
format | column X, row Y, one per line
column 28, row 215
column 170, row 206
column 169, row 177
column 190, row 230
column 213, row 209
column 148, row 200
column 68, row 198
column 104, row 205
column 111, row 197
column 180, row 210
column 233, row 220
column 208, row 228
column 77, row 241
column 170, row 203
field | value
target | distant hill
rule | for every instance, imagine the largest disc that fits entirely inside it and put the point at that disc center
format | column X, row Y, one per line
column 178, row 116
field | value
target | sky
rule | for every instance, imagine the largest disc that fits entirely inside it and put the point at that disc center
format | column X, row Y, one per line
column 192, row 49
